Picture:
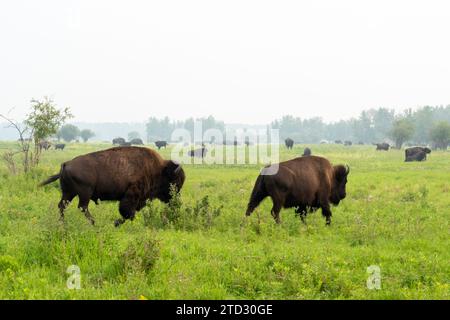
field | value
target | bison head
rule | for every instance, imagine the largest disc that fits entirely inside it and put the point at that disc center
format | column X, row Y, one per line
column 338, row 192
column 172, row 175
column 427, row 150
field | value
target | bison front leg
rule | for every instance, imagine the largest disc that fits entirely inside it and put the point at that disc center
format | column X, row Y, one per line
column 127, row 209
column 326, row 212
column 301, row 211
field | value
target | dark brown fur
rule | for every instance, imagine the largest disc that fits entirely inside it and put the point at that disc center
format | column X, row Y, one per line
column 289, row 143
column 305, row 183
column 131, row 175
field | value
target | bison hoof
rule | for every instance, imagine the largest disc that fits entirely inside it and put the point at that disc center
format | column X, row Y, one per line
column 118, row 222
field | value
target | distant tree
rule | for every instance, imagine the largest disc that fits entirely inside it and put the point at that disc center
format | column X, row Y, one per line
column 42, row 122
column 86, row 134
column 402, row 130
column 69, row 132
column 133, row 135
column 440, row 135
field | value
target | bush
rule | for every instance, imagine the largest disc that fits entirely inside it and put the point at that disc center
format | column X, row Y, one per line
column 140, row 255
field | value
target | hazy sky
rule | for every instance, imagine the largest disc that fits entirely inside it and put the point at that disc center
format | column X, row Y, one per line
column 241, row 61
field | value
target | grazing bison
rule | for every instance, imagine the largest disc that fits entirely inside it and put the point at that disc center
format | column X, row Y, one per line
column 416, row 154
column 305, row 183
column 338, row 141
column 44, row 145
column 118, row 141
column 289, row 143
column 347, row 143
column 130, row 175
column 382, row 146
column 306, row 152
column 199, row 153
column 137, row 141
column 60, row 146
column 160, row 144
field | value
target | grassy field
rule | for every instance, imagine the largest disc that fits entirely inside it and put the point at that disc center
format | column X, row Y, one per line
column 396, row 216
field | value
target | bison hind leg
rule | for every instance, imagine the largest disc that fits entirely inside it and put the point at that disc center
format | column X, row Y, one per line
column 63, row 203
column 302, row 211
column 83, row 205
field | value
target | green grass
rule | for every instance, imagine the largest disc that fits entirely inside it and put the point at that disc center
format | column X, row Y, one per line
column 396, row 216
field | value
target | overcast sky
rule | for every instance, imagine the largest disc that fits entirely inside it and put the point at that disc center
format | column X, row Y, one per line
column 240, row 61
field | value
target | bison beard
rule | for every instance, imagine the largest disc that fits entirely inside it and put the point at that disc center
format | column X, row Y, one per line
column 131, row 175
column 305, row 183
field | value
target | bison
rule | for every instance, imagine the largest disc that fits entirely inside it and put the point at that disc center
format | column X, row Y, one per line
column 338, row 141
column 44, row 145
column 60, row 146
column 137, row 141
column 305, row 183
column 199, row 153
column 416, row 154
column 306, row 152
column 131, row 175
column 347, row 143
column 289, row 143
column 160, row 144
column 118, row 141
column 382, row 146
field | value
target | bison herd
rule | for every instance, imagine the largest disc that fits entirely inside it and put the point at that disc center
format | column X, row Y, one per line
column 134, row 175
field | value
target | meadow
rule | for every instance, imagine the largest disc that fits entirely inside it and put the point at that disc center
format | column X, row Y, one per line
column 396, row 216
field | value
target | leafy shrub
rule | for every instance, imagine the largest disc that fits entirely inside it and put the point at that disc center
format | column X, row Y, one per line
column 140, row 255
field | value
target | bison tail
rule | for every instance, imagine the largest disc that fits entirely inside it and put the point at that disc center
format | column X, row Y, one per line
column 258, row 194
column 50, row 180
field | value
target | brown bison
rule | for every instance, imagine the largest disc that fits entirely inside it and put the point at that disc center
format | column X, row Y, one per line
column 44, row 145
column 305, row 183
column 416, row 154
column 131, row 175
column 60, row 146
column 289, row 143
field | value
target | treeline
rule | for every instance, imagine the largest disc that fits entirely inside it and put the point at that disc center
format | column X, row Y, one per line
column 374, row 125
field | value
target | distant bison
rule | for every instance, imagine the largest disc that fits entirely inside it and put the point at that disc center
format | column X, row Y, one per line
column 60, row 146
column 118, row 141
column 382, row 146
column 44, row 145
column 130, row 175
column 199, row 153
column 347, row 143
column 289, row 143
column 306, row 152
column 338, row 141
column 305, row 183
column 137, row 141
column 416, row 154
column 161, row 144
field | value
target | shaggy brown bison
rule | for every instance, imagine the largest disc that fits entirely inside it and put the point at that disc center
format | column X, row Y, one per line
column 160, row 144
column 131, row 175
column 289, row 143
column 305, row 183
column 416, row 154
